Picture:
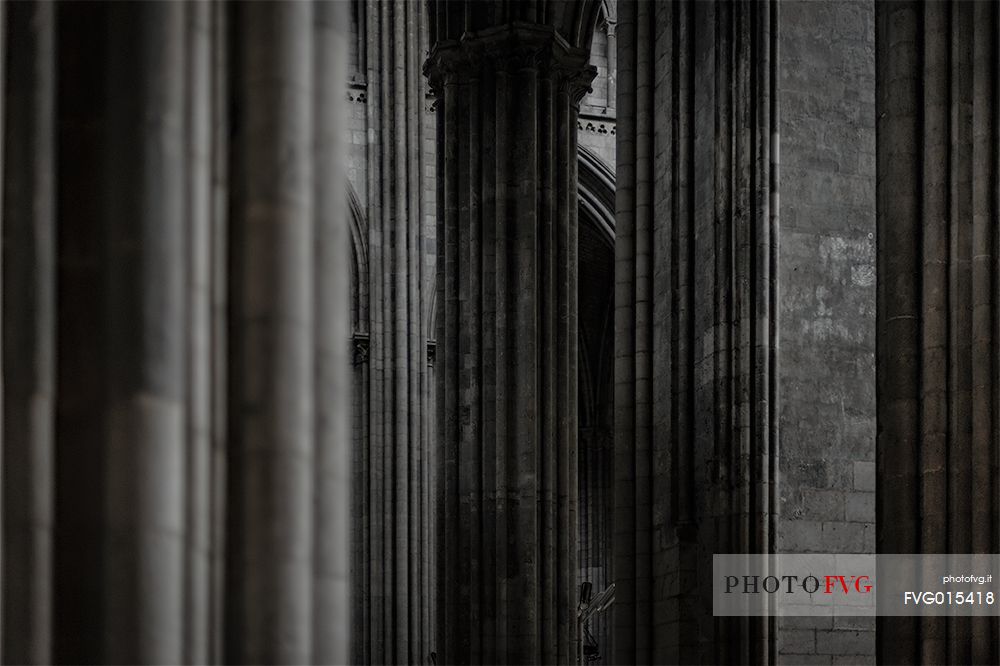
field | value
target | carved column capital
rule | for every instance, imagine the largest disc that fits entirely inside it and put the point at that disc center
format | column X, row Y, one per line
column 512, row 48
column 577, row 81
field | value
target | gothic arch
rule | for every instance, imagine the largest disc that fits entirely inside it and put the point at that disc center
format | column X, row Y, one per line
column 596, row 189
column 359, row 264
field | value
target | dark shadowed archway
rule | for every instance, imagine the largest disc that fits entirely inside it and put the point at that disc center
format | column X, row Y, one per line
column 596, row 354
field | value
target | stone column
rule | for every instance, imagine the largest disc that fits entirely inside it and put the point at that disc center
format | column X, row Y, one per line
column 146, row 245
column 506, row 358
column 331, row 598
column 272, row 343
column 28, row 333
column 937, row 358
column 695, row 330
column 396, row 575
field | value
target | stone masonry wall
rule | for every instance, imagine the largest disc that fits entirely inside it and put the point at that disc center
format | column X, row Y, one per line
column 827, row 296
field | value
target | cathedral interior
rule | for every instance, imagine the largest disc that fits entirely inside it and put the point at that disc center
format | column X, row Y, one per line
column 468, row 331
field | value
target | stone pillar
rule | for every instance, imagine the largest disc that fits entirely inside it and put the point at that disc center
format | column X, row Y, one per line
column 272, row 343
column 146, row 245
column 938, row 383
column 612, row 95
column 506, row 358
column 156, row 304
column 198, row 288
column 395, row 622
column 330, row 591
column 28, row 333
column 695, row 330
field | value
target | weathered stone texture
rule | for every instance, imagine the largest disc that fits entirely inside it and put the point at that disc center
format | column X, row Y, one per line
column 827, row 277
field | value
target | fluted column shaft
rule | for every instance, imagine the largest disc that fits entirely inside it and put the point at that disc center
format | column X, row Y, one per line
column 695, row 321
column 392, row 557
column 28, row 333
column 176, row 294
column 938, row 148
column 507, row 344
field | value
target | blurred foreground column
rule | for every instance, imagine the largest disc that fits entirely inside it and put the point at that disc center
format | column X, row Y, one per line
column 272, row 418
column 28, row 332
column 175, row 316
column 146, row 244
column 331, row 588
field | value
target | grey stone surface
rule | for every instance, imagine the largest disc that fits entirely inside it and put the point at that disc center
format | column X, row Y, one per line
column 845, row 642
column 391, row 141
column 827, row 276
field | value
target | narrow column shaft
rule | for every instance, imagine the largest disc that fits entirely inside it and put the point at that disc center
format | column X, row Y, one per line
column 28, row 333
column 394, row 571
column 695, row 336
column 146, row 246
column 272, row 350
column 219, row 294
column 507, row 345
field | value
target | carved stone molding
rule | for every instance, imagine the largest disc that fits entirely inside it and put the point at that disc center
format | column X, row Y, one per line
column 512, row 48
column 596, row 127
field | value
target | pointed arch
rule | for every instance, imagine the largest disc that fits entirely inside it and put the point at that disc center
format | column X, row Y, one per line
column 359, row 263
